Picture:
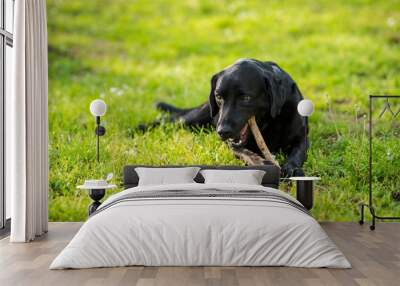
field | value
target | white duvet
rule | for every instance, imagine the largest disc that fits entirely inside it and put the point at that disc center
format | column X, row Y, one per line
column 200, row 231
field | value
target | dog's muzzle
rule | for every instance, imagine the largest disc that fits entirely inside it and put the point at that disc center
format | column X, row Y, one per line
column 242, row 138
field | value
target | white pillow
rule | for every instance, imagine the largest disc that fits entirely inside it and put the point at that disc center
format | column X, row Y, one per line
column 248, row 177
column 165, row 176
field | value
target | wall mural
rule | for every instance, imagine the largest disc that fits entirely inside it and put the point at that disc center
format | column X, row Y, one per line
column 191, row 82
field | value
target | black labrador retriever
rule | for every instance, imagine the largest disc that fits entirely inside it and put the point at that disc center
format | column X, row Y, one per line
column 252, row 88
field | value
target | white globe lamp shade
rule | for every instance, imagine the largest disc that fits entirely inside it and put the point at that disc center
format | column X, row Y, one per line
column 305, row 107
column 98, row 107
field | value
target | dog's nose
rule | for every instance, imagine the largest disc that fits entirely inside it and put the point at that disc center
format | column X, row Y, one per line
column 225, row 132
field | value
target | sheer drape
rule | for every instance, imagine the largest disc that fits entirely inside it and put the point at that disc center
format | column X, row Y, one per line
column 28, row 124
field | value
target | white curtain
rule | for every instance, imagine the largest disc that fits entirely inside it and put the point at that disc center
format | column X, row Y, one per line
column 27, row 122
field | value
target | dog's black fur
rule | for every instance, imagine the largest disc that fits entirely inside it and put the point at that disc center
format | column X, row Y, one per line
column 246, row 88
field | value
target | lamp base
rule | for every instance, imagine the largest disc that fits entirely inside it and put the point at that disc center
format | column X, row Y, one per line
column 100, row 130
column 96, row 195
column 304, row 193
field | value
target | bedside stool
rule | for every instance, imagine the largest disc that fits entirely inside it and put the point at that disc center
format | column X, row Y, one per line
column 96, row 193
column 304, row 190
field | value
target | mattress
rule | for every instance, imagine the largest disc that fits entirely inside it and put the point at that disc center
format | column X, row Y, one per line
column 201, row 225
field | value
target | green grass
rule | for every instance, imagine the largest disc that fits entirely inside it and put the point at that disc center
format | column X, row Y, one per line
column 133, row 53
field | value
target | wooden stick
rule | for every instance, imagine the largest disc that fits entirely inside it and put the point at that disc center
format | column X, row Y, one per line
column 249, row 157
column 260, row 141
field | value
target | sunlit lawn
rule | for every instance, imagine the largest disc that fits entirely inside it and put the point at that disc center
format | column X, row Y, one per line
column 133, row 53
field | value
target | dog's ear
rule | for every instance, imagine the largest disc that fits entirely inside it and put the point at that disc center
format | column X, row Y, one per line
column 211, row 101
column 275, row 94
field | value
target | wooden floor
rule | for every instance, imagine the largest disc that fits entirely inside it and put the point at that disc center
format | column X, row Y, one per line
column 375, row 257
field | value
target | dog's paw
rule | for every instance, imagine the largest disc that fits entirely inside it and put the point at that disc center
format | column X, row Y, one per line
column 298, row 172
column 289, row 170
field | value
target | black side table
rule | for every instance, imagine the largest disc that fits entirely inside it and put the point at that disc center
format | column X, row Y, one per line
column 96, row 193
column 304, row 190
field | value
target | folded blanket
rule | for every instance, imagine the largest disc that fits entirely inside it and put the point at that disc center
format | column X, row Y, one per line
column 205, row 193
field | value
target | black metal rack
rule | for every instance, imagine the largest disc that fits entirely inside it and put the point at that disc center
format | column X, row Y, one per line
column 394, row 114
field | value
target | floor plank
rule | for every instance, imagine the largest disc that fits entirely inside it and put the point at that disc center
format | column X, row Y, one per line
column 375, row 257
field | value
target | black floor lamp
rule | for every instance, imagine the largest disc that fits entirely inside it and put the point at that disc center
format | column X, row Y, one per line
column 305, row 108
column 98, row 108
column 304, row 185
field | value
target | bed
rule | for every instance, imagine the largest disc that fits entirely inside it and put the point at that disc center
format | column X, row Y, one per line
column 201, row 224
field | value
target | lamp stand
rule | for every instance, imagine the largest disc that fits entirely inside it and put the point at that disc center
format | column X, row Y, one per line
column 99, row 131
column 307, row 133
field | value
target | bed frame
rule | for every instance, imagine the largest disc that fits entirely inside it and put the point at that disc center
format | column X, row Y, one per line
column 271, row 177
